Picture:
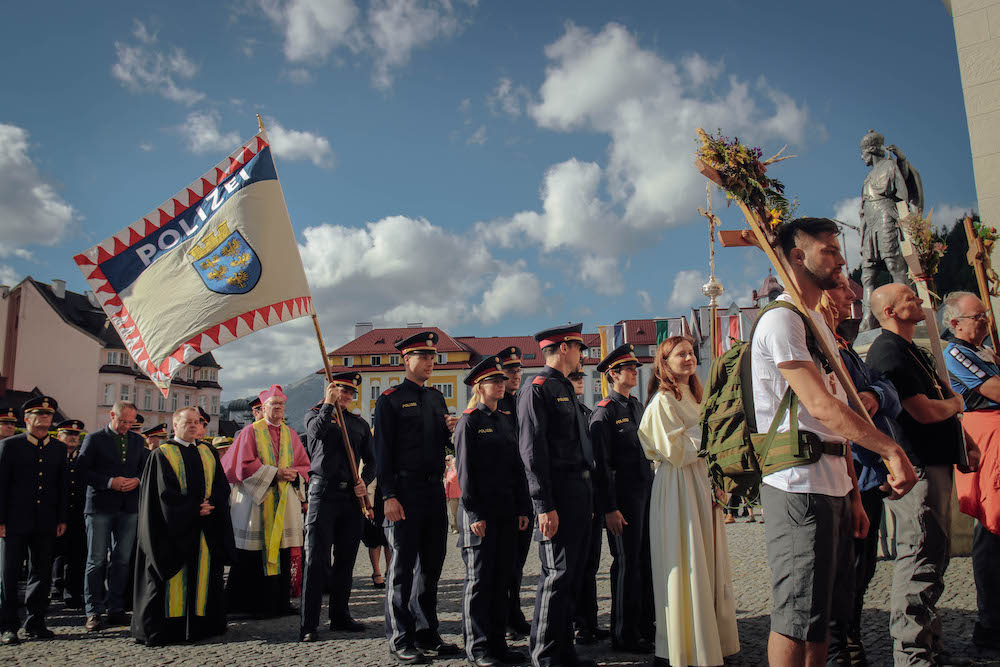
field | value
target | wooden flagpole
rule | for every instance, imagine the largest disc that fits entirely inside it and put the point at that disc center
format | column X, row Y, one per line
column 366, row 506
column 979, row 257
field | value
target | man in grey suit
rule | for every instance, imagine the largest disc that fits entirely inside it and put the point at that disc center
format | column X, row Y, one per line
column 111, row 461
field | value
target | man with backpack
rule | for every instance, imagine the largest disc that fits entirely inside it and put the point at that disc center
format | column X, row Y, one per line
column 809, row 489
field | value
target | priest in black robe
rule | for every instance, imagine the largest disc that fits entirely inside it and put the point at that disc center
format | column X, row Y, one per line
column 185, row 538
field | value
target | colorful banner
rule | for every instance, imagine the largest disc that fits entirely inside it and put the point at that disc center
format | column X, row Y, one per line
column 604, row 332
column 214, row 263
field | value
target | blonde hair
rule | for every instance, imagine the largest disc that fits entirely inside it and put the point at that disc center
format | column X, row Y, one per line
column 662, row 379
column 475, row 399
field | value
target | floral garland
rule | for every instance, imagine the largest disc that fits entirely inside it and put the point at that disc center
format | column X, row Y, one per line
column 986, row 232
column 926, row 242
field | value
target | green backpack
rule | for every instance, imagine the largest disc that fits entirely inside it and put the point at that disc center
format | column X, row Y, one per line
column 738, row 456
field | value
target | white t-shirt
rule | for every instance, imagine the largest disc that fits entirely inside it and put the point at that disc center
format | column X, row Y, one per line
column 781, row 337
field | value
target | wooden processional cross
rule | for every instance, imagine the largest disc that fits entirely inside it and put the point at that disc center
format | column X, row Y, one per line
column 986, row 278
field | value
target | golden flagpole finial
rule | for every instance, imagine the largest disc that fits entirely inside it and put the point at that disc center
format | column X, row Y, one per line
column 260, row 123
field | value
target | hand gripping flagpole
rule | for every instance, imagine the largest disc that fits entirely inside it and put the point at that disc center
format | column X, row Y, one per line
column 366, row 506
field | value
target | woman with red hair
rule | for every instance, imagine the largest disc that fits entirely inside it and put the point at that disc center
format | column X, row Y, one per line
column 692, row 582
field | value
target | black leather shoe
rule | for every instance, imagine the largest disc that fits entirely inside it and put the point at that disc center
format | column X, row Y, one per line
column 641, row 646
column 585, row 637
column 116, row 618
column 484, row 661
column 600, row 633
column 436, row 646
column 409, row 656
column 9, row 638
column 40, row 632
column 512, row 635
column 512, row 657
column 308, row 637
column 347, row 625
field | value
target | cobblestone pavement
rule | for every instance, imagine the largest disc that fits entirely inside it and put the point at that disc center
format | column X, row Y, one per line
column 273, row 642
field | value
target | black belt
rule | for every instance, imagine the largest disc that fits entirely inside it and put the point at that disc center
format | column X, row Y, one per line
column 419, row 476
column 571, row 474
column 317, row 481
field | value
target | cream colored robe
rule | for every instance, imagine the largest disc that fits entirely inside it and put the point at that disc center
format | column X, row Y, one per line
column 692, row 581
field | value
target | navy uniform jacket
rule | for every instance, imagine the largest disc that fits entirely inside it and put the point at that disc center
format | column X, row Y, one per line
column 553, row 437
column 33, row 491
column 622, row 467
column 76, row 484
column 100, row 461
column 410, row 434
column 329, row 470
column 489, row 467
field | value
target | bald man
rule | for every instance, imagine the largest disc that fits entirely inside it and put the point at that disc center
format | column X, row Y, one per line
column 934, row 444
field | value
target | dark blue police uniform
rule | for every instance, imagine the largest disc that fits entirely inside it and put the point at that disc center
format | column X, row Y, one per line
column 334, row 516
column 585, row 613
column 558, row 460
column 410, row 440
column 70, row 555
column 623, row 482
column 33, row 501
column 489, row 473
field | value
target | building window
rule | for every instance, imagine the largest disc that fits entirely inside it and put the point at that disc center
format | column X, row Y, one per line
column 349, row 361
column 393, row 359
column 376, row 391
column 126, row 393
column 376, row 361
column 187, row 400
column 147, row 400
column 201, row 402
column 595, row 374
column 109, row 394
column 161, row 402
column 111, row 357
column 121, row 359
column 215, row 405
column 529, row 355
column 442, row 357
column 445, row 389
column 173, row 403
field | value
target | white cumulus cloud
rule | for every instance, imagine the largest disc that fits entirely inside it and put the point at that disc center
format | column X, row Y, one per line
column 687, row 289
column 201, row 133
column 313, row 28
column 299, row 144
column 32, row 211
column 645, row 300
column 508, row 98
column 144, row 68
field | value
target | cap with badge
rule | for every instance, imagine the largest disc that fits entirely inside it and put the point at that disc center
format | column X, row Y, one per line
column 569, row 333
column 510, row 357
column 158, row 431
column 350, row 380
column 488, row 368
column 137, row 426
column 205, row 417
column 39, row 405
column 255, row 403
column 578, row 374
column 425, row 341
column 8, row 415
column 70, row 426
column 623, row 355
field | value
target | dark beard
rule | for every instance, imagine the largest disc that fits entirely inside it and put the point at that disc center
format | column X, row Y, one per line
column 829, row 282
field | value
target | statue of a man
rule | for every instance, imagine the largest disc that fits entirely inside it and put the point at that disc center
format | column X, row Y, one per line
column 891, row 180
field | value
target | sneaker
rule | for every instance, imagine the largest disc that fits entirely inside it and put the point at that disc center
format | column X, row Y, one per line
column 93, row 623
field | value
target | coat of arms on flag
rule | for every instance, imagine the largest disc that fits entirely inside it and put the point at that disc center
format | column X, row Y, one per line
column 217, row 261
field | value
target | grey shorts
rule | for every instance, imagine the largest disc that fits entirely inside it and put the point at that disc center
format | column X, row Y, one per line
column 810, row 550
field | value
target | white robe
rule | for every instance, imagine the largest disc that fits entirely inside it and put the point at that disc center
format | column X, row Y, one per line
column 692, row 581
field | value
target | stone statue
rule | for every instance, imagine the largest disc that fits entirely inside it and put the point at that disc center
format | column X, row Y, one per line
column 891, row 179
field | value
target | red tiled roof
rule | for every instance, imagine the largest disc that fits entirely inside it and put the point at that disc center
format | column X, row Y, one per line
column 640, row 332
column 483, row 346
column 382, row 341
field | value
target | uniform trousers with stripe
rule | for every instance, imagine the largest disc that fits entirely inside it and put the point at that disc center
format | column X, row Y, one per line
column 489, row 561
column 632, row 612
column 563, row 558
column 39, row 548
column 585, row 613
column 514, row 612
column 334, row 522
column 412, row 586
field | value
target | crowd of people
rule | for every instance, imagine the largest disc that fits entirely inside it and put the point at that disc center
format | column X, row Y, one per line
column 533, row 464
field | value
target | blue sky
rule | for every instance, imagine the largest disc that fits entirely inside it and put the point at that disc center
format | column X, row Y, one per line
column 487, row 167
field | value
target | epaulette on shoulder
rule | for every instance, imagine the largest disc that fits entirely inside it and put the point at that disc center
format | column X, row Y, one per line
column 469, row 411
column 603, row 402
column 539, row 379
column 388, row 391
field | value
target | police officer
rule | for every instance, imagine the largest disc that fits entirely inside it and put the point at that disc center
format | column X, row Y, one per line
column 558, row 460
column 412, row 430
column 137, row 426
column 334, row 515
column 492, row 503
column 33, row 501
column 8, row 423
column 585, row 620
column 71, row 548
column 517, row 625
column 623, row 481
column 155, row 435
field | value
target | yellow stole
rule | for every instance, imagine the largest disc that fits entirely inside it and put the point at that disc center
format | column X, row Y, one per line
column 177, row 586
column 276, row 498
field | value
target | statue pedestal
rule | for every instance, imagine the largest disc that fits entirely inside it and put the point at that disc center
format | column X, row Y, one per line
column 961, row 524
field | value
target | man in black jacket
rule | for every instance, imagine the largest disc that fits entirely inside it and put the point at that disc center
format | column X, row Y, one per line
column 70, row 555
column 32, row 515
column 111, row 461
column 334, row 515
